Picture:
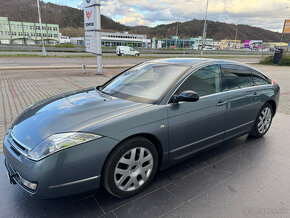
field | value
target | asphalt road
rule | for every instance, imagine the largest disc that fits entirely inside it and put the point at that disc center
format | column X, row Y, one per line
column 107, row 60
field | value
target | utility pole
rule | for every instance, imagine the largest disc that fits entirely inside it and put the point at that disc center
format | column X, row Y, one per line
column 177, row 32
column 41, row 33
column 236, row 37
column 204, row 28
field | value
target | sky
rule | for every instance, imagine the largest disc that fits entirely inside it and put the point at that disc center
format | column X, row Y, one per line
column 268, row 14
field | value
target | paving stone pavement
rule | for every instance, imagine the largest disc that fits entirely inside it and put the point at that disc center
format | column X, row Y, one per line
column 22, row 88
column 244, row 177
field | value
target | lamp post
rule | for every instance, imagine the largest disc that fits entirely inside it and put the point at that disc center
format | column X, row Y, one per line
column 236, row 38
column 204, row 28
column 41, row 33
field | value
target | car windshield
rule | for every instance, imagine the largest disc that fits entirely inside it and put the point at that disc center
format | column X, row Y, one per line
column 145, row 83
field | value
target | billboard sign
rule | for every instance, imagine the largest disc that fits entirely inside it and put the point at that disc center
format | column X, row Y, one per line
column 286, row 29
column 89, row 3
column 91, row 42
column 247, row 43
column 256, row 44
column 90, row 18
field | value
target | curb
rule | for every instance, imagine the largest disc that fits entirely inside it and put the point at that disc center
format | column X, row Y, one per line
column 73, row 67
column 61, row 67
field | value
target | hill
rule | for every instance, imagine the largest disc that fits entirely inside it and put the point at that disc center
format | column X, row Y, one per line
column 66, row 17
column 215, row 30
column 71, row 23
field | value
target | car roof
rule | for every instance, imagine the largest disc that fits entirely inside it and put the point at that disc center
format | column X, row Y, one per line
column 193, row 61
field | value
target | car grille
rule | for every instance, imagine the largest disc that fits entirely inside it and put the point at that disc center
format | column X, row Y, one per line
column 17, row 147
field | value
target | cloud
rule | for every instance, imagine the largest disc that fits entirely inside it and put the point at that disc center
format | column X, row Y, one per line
column 262, row 13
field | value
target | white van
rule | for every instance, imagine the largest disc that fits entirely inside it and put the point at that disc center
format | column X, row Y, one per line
column 126, row 50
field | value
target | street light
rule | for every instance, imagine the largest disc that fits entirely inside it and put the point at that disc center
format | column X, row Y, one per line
column 204, row 28
column 40, row 24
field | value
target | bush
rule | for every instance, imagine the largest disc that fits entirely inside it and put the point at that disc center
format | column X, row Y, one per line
column 267, row 60
column 285, row 61
column 59, row 46
column 65, row 46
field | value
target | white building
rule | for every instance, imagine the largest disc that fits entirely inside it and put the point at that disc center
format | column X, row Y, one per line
column 64, row 39
column 216, row 45
column 123, row 39
column 118, row 39
column 80, row 41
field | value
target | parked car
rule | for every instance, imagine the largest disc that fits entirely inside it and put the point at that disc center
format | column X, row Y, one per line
column 146, row 119
column 126, row 51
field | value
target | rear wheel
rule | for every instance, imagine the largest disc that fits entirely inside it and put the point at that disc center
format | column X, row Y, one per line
column 130, row 168
column 263, row 121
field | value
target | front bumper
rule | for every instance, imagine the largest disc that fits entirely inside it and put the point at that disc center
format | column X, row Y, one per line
column 67, row 172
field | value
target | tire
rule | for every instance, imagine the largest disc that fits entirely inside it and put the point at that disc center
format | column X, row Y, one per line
column 263, row 121
column 122, row 54
column 123, row 168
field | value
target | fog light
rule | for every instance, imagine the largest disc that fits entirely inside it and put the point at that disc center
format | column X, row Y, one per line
column 30, row 185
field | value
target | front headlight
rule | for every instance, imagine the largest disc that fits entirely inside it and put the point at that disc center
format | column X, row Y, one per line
column 59, row 142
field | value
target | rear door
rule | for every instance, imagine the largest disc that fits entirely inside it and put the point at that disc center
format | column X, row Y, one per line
column 237, row 82
column 196, row 125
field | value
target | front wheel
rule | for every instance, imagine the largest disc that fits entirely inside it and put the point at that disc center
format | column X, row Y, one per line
column 263, row 121
column 130, row 168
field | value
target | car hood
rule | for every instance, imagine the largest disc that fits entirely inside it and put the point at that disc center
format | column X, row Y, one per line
column 64, row 113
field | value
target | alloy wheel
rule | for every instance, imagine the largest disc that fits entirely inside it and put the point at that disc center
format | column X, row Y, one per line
column 133, row 169
column 265, row 119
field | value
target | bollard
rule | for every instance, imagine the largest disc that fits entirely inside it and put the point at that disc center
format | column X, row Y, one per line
column 84, row 69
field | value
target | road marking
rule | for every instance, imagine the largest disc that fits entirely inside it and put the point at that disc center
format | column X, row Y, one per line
column 285, row 93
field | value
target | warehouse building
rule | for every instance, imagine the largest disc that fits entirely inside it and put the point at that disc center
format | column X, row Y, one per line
column 17, row 32
column 112, row 40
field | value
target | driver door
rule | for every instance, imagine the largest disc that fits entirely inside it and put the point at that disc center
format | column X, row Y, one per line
column 194, row 126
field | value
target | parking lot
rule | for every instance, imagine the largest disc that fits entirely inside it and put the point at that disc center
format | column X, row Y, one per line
column 241, row 178
column 22, row 88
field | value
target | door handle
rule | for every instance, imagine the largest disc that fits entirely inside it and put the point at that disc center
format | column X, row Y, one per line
column 222, row 102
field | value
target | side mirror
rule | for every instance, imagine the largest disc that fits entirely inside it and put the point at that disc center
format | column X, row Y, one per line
column 185, row 96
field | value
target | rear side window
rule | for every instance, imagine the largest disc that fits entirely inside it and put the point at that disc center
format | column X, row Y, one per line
column 236, row 77
column 260, row 79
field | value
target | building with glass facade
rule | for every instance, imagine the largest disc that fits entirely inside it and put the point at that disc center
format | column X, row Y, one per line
column 176, row 42
column 17, row 32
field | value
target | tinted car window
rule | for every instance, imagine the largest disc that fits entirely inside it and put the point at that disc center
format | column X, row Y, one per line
column 204, row 81
column 236, row 77
column 260, row 79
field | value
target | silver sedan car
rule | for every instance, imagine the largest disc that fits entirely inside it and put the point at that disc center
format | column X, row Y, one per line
column 148, row 118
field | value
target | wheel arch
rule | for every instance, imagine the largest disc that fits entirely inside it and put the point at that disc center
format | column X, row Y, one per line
column 153, row 139
column 273, row 104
